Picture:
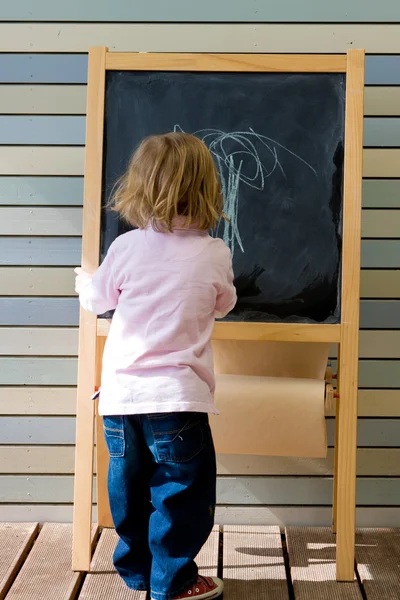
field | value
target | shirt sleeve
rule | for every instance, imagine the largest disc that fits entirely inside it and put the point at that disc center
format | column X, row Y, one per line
column 226, row 298
column 101, row 294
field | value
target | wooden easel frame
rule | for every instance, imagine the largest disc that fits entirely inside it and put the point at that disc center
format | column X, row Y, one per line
column 92, row 333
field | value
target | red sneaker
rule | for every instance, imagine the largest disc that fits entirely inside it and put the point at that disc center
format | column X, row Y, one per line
column 205, row 587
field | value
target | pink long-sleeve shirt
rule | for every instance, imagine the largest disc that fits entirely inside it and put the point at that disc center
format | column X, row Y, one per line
column 166, row 289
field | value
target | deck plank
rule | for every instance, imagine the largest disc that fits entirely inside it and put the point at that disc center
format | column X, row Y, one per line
column 312, row 556
column 378, row 562
column 46, row 573
column 103, row 582
column 207, row 560
column 253, row 563
column 16, row 540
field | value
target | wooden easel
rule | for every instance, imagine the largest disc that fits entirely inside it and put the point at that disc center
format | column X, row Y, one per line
column 93, row 332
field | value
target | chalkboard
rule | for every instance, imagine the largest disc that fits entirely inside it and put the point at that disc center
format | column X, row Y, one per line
column 277, row 140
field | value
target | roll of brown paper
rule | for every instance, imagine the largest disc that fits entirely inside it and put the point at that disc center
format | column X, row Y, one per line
column 271, row 416
column 271, row 359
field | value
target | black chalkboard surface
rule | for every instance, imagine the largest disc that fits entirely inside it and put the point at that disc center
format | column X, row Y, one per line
column 277, row 140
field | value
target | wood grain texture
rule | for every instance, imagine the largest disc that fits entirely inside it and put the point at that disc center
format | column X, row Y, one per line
column 41, row 221
column 87, row 322
column 227, row 37
column 312, row 566
column 16, row 541
column 27, row 400
column 377, row 556
column 346, row 425
column 253, row 564
column 126, row 61
column 103, row 582
column 37, row 281
column 41, row 191
column 44, row 99
column 47, row 570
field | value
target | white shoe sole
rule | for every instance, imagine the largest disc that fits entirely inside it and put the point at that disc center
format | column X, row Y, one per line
column 216, row 594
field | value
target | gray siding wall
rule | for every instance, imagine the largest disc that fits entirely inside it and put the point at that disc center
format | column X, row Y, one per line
column 43, row 64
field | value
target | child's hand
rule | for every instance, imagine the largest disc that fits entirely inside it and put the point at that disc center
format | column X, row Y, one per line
column 81, row 279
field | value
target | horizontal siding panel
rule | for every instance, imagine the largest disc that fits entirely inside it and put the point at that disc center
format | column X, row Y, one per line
column 27, row 130
column 72, row 68
column 70, row 130
column 303, row 491
column 16, row 341
column 381, row 193
column 38, row 371
column 41, row 191
column 227, row 37
column 60, row 460
column 37, row 281
column 63, row 221
column 380, row 254
column 308, row 516
column 379, row 314
column 44, row 99
column 379, row 403
column 180, row 10
column 379, row 344
column 69, row 160
column 380, row 284
column 43, row 68
column 71, row 100
column 45, row 251
column 41, row 430
column 20, row 341
column 37, row 401
column 41, row 160
column 382, row 101
column 26, row 400
column 39, row 311
column 377, row 132
column 381, row 162
column 40, row 221
column 380, row 224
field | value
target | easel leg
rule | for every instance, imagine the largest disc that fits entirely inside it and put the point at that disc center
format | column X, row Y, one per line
column 82, row 524
column 346, row 456
column 335, row 466
column 103, row 507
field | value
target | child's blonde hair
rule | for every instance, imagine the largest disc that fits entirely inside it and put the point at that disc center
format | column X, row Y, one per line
column 170, row 175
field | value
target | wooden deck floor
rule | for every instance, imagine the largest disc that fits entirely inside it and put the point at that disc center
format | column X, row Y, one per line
column 256, row 563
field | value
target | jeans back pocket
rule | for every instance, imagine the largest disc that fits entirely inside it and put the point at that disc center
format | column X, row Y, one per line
column 114, row 432
column 178, row 437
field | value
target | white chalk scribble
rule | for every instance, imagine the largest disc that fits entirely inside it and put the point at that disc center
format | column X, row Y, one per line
column 231, row 151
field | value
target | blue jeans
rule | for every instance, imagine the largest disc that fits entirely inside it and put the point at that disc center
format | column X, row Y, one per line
column 161, row 484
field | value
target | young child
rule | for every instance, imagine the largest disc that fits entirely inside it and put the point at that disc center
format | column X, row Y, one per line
column 167, row 281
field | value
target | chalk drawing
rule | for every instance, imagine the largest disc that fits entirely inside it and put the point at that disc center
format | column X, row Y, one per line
column 230, row 149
